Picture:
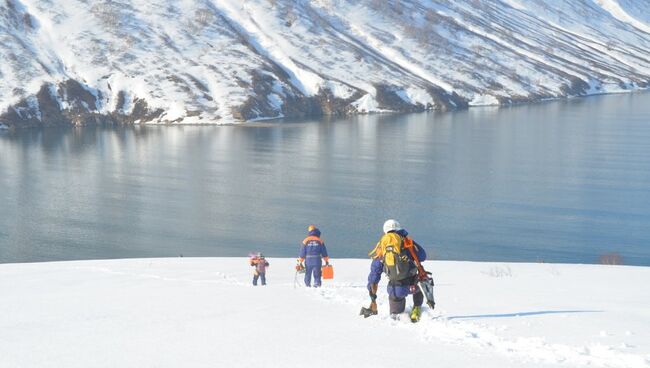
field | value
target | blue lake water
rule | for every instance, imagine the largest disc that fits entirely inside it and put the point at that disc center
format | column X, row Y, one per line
column 564, row 181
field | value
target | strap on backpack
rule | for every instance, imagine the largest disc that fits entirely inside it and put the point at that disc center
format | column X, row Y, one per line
column 422, row 274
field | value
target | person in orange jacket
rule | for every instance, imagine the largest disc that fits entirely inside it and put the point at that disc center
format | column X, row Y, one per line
column 312, row 253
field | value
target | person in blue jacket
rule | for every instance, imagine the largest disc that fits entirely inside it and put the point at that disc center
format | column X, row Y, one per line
column 397, row 290
column 312, row 253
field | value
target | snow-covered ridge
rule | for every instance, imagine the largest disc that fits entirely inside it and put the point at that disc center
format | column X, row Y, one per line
column 208, row 61
column 204, row 312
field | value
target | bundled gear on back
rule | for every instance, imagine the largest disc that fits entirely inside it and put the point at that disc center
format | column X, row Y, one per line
column 392, row 250
column 425, row 282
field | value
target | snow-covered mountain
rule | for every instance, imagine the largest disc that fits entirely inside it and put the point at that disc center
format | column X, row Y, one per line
column 223, row 61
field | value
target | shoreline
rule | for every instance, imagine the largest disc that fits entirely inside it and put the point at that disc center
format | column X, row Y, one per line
column 265, row 122
column 333, row 261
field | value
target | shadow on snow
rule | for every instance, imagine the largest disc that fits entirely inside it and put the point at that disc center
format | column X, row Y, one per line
column 523, row 314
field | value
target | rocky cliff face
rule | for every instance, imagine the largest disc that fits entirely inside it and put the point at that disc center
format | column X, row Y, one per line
column 207, row 61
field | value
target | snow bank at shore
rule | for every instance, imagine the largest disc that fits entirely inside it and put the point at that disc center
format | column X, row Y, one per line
column 204, row 312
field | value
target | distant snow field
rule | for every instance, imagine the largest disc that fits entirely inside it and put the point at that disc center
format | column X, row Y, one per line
column 204, row 312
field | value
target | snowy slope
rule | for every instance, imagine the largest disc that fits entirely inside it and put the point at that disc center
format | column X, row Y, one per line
column 208, row 61
column 203, row 312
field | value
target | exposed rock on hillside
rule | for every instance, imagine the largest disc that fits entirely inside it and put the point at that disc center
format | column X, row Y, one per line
column 140, row 61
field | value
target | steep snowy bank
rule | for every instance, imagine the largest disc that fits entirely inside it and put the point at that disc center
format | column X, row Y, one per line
column 164, row 61
column 203, row 312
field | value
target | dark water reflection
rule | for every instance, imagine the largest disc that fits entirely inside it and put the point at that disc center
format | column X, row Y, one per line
column 555, row 182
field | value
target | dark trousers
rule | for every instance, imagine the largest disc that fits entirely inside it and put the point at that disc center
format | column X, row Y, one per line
column 398, row 304
column 262, row 276
column 316, row 270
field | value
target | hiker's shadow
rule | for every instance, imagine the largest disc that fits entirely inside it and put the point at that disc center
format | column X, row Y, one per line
column 522, row 314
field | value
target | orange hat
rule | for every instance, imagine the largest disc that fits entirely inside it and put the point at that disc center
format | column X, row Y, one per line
column 311, row 227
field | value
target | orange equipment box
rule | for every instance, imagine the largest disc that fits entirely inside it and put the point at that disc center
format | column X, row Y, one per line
column 328, row 272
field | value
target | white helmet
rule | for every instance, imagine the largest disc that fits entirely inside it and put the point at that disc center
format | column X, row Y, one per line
column 391, row 225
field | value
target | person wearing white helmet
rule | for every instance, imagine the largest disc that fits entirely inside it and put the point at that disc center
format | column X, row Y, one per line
column 391, row 225
column 396, row 255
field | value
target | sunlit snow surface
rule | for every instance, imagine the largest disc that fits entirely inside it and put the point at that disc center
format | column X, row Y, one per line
column 196, row 60
column 204, row 312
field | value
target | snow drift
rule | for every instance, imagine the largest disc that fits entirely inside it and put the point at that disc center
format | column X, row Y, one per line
column 167, row 61
column 204, row 312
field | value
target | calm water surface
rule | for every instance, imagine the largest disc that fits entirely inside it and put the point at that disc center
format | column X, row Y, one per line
column 555, row 182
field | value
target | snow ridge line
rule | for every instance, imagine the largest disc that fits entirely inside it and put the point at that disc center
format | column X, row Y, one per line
column 264, row 45
column 377, row 48
column 621, row 56
column 393, row 56
column 616, row 11
column 520, row 50
column 587, row 59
